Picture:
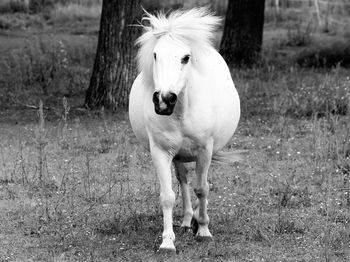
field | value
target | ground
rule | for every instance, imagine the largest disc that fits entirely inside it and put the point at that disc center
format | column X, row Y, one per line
column 77, row 186
column 100, row 197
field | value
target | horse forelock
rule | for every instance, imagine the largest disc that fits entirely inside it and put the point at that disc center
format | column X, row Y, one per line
column 194, row 27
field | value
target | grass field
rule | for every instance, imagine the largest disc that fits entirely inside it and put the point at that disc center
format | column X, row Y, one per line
column 83, row 190
column 76, row 186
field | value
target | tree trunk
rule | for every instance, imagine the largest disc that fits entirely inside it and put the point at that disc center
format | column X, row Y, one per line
column 115, row 64
column 242, row 38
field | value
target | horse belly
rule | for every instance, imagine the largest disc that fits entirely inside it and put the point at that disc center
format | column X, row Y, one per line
column 228, row 115
column 225, row 101
column 216, row 107
column 136, row 111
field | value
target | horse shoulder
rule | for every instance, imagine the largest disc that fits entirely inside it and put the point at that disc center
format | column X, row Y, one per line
column 137, row 102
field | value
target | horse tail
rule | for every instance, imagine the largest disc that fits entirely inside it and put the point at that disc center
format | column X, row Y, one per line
column 230, row 157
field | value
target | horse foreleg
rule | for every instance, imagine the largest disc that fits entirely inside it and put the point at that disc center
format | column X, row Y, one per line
column 162, row 162
column 181, row 174
column 202, row 190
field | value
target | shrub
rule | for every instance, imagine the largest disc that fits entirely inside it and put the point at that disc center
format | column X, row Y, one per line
column 79, row 2
column 14, row 6
column 284, row 16
column 5, row 22
column 37, row 6
column 337, row 53
column 42, row 69
column 19, row 21
column 63, row 13
column 298, row 35
column 19, row 6
column 293, row 91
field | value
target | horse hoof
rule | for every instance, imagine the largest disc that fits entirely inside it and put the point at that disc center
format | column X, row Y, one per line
column 186, row 230
column 203, row 238
column 167, row 246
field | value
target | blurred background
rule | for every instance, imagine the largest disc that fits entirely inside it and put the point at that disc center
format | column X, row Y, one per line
column 46, row 42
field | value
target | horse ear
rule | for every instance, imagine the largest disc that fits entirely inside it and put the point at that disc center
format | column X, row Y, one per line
column 146, row 20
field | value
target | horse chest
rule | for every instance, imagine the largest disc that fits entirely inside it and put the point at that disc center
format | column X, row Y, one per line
column 177, row 136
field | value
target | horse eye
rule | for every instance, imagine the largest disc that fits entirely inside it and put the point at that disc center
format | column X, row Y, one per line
column 185, row 59
column 154, row 56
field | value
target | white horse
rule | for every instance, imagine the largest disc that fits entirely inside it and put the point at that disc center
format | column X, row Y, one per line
column 183, row 108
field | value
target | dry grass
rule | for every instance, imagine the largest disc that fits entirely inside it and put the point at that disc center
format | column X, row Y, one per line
column 97, row 198
column 14, row 6
column 75, row 185
column 74, row 11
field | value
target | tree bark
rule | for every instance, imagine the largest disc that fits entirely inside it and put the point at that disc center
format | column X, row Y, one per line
column 243, row 31
column 115, row 62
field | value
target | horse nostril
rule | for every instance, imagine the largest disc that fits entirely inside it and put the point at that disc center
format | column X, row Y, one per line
column 169, row 98
column 172, row 98
column 155, row 98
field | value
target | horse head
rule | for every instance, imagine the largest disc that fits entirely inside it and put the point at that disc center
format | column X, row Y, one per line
column 171, row 65
column 169, row 48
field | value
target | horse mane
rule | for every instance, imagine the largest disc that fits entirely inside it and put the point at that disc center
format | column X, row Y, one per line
column 194, row 27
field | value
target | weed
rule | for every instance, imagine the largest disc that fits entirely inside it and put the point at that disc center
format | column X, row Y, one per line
column 14, row 6
column 295, row 92
column 331, row 55
column 298, row 35
column 74, row 12
column 38, row 6
column 42, row 70
column 104, row 203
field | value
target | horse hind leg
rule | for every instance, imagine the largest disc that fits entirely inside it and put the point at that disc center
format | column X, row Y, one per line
column 202, row 190
column 181, row 174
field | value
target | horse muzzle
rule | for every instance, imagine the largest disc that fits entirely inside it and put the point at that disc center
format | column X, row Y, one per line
column 164, row 103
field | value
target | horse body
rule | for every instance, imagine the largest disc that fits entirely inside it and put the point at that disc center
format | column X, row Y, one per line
column 183, row 107
column 208, row 108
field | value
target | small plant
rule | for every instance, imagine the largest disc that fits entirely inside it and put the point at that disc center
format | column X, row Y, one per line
column 14, row 6
column 298, row 35
column 330, row 55
column 42, row 69
column 41, row 142
column 37, row 6
column 61, row 14
column 64, row 118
